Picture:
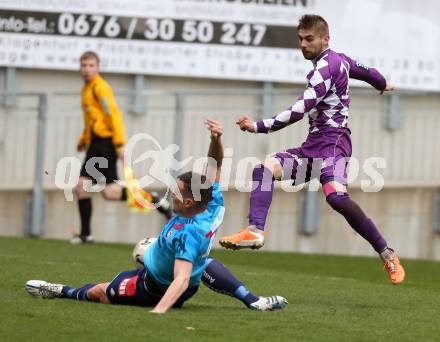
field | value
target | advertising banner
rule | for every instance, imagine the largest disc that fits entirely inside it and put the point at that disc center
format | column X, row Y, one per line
column 223, row 39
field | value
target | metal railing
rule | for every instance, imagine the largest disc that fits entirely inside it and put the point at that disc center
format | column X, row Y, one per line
column 54, row 122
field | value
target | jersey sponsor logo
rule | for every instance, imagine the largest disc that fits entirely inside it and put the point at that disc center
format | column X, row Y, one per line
column 179, row 243
column 208, row 277
column 127, row 287
column 362, row 66
column 122, row 286
column 178, row 226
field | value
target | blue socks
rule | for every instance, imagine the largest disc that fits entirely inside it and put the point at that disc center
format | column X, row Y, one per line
column 76, row 294
column 245, row 296
column 219, row 279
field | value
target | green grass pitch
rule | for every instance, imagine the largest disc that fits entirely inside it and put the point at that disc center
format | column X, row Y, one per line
column 332, row 298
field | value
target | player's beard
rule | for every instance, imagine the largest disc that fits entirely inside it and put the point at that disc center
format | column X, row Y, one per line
column 312, row 55
column 307, row 55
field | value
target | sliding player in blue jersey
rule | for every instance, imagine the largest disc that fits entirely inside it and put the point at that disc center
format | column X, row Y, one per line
column 178, row 261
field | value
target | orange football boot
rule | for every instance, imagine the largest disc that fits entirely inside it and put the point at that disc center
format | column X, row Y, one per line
column 394, row 269
column 246, row 238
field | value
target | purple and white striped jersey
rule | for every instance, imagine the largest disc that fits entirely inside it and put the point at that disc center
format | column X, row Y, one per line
column 326, row 98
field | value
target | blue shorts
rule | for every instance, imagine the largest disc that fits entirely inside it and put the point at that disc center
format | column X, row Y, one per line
column 138, row 288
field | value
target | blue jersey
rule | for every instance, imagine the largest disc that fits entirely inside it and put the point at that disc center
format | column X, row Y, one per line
column 185, row 238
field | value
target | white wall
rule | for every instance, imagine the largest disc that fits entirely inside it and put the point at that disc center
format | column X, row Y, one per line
column 403, row 210
column 403, row 216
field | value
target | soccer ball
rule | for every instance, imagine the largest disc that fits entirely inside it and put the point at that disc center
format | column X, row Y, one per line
column 139, row 251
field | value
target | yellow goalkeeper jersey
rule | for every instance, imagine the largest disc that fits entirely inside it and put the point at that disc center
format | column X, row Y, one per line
column 102, row 117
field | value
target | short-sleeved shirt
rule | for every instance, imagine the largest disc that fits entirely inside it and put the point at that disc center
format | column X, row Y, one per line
column 187, row 239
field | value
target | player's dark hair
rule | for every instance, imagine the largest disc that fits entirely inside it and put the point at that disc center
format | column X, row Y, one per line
column 310, row 21
column 90, row 55
column 195, row 186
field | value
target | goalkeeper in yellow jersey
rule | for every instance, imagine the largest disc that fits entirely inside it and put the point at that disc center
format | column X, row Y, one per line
column 103, row 139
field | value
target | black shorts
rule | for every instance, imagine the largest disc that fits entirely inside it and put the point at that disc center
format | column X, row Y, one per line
column 104, row 149
column 138, row 288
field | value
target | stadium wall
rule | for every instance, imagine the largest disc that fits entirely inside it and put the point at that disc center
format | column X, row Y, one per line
column 404, row 209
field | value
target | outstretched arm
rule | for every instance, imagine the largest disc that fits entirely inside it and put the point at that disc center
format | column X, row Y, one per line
column 369, row 75
column 215, row 152
column 388, row 87
column 182, row 274
column 317, row 87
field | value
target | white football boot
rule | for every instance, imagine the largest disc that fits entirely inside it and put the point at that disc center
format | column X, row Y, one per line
column 269, row 303
column 78, row 240
column 43, row 289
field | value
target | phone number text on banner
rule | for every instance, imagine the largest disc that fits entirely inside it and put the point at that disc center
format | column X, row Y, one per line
column 149, row 29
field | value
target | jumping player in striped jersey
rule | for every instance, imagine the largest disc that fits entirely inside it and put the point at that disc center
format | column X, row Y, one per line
column 327, row 148
column 178, row 261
